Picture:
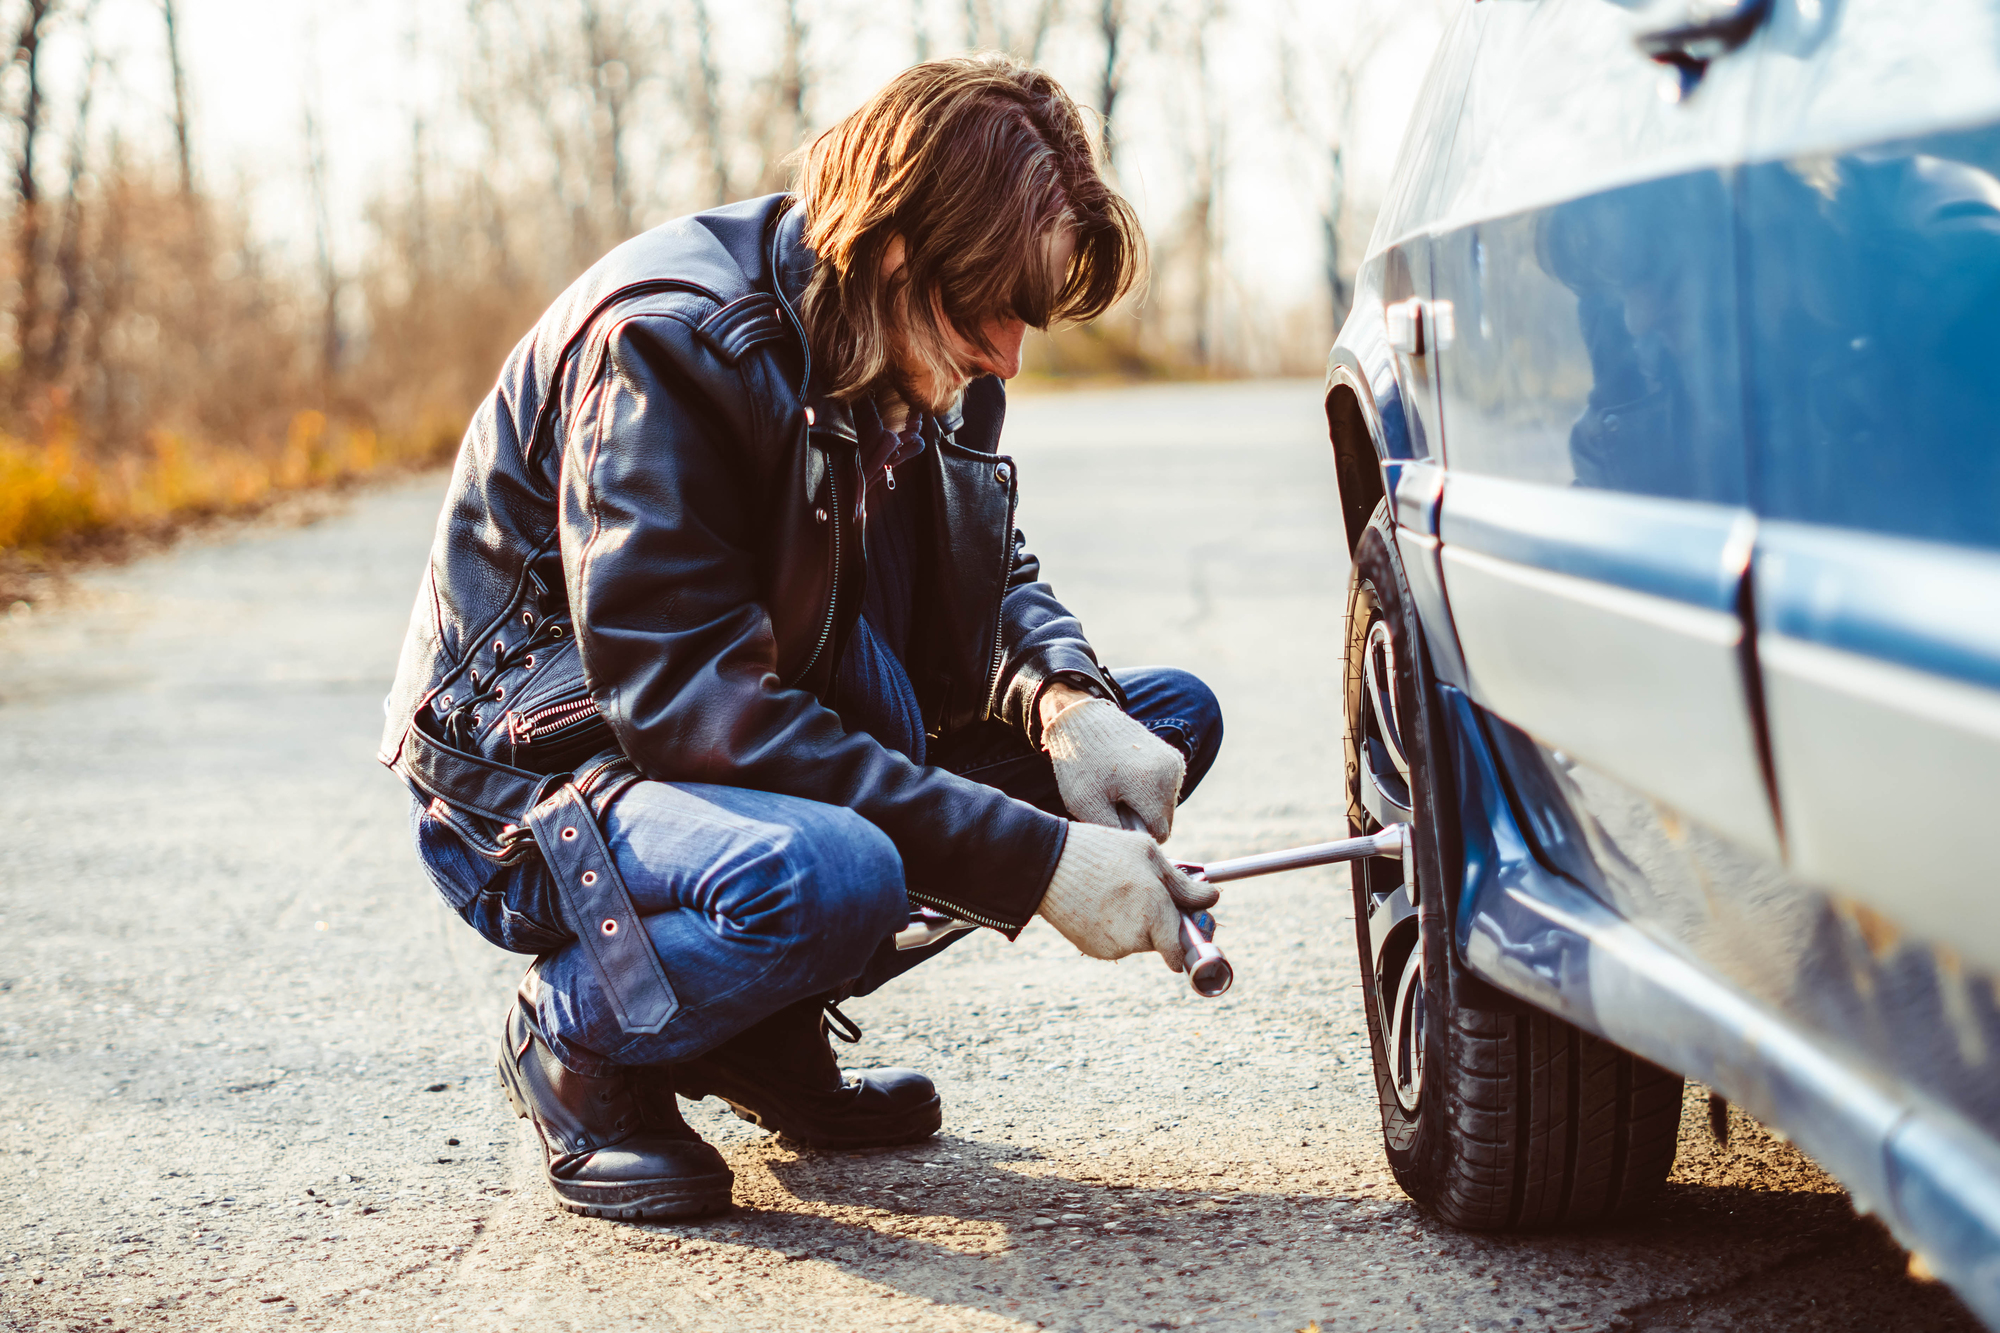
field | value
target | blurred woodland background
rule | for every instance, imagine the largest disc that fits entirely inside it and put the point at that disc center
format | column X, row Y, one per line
column 162, row 357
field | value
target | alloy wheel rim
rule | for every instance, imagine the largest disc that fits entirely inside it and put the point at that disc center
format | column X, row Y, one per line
column 1395, row 925
column 1406, row 1031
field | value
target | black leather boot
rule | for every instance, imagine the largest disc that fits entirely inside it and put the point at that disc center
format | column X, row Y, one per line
column 781, row 1074
column 610, row 1151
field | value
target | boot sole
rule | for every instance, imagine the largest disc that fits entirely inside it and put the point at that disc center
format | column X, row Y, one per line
column 915, row 1125
column 636, row 1203
column 624, row 1203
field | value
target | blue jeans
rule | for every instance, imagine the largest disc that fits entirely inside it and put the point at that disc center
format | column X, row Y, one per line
column 754, row 900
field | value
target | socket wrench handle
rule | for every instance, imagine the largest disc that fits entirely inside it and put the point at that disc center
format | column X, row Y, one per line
column 1208, row 972
column 1390, row 841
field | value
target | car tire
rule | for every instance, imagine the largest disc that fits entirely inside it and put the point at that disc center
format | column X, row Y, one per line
column 1496, row 1116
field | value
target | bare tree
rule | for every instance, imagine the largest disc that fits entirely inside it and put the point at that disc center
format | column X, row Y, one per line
column 1318, row 90
column 991, row 23
column 32, row 29
column 784, row 121
column 544, row 71
column 329, row 274
column 1031, row 37
column 607, row 54
column 706, row 92
column 69, row 265
column 1111, row 74
column 1204, row 214
column 183, row 151
column 420, row 247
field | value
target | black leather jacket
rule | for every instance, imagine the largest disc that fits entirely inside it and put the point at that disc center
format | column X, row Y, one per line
column 650, row 558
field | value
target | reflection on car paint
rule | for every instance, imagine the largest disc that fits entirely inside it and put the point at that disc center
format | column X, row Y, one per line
column 1918, row 1013
column 1872, row 303
column 1751, row 328
column 1597, row 343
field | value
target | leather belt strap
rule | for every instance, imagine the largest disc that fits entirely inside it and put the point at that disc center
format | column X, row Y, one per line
column 600, row 911
column 468, row 782
column 595, row 904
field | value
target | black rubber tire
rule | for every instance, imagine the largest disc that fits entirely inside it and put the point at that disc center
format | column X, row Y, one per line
column 1522, row 1121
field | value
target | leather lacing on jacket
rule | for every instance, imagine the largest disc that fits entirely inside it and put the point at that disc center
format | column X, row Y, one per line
column 460, row 723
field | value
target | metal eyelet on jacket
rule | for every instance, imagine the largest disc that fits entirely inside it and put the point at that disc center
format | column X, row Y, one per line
column 1001, row 473
column 459, row 718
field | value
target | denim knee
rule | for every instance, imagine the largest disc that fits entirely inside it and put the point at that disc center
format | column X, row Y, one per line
column 1180, row 708
column 751, row 901
column 845, row 891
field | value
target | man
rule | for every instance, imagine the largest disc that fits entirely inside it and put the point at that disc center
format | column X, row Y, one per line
column 729, row 651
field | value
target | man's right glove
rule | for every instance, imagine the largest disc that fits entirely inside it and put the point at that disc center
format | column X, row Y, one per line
column 1115, row 893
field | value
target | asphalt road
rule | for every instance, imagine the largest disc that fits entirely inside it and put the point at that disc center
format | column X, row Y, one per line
column 245, row 1055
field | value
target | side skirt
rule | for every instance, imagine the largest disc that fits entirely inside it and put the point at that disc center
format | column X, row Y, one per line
column 1933, row 1178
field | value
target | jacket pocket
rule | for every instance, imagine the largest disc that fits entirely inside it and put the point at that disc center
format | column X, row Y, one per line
column 559, row 733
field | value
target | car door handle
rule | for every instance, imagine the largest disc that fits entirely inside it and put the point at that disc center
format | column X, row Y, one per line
column 1415, row 325
column 1703, row 30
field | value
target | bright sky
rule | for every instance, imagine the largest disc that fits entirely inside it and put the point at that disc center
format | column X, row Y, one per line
column 253, row 64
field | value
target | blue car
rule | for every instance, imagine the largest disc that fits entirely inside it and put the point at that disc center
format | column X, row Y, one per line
column 1666, row 425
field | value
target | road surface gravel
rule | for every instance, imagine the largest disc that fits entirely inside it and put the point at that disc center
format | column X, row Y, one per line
column 245, row 1054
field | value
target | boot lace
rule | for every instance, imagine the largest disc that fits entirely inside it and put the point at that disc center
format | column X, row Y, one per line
column 839, row 1024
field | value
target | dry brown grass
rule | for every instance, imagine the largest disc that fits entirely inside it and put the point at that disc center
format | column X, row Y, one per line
column 167, row 373
column 54, row 500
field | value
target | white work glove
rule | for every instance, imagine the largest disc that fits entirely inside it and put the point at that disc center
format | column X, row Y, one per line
column 1104, row 759
column 1115, row 893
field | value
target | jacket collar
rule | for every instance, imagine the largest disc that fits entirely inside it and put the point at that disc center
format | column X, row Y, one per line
column 831, row 417
column 792, row 260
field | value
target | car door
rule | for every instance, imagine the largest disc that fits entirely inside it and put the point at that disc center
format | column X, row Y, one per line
column 1872, row 321
column 1595, row 521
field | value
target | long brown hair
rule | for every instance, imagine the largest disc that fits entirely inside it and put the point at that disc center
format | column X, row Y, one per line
column 977, row 162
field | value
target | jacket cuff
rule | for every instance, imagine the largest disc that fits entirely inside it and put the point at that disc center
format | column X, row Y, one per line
column 1006, row 887
column 1022, row 704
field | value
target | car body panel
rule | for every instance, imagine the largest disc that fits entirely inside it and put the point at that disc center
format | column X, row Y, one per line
column 1609, row 625
column 1871, row 218
column 1531, row 931
column 1595, row 521
column 1417, row 488
column 1824, row 962
column 1881, row 662
column 1701, row 512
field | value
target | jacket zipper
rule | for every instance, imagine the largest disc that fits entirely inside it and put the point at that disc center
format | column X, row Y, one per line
column 954, row 909
column 959, row 910
column 543, row 722
column 833, row 588
column 1000, row 608
column 833, row 470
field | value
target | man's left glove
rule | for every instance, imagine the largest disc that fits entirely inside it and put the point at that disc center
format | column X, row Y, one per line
column 1104, row 759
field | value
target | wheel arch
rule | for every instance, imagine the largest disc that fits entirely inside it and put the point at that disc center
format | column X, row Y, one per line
column 1363, row 439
